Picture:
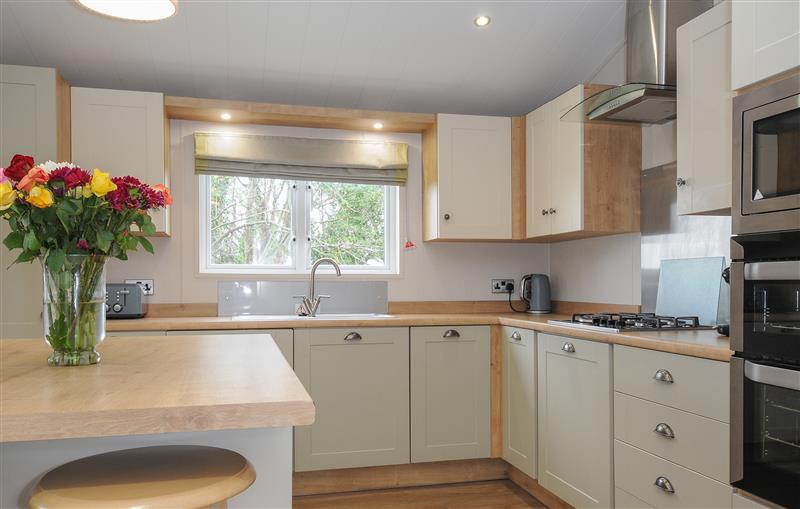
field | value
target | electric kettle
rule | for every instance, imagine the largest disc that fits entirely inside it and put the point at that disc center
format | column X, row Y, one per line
column 535, row 293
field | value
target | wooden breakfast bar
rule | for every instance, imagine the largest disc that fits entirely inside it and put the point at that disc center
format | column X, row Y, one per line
column 236, row 392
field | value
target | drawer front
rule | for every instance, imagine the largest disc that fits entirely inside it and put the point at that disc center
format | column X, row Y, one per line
column 700, row 386
column 452, row 332
column 636, row 421
column 637, row 471
column 593, row 351
column 523, row 337
column 362, row 335
column 624, row 500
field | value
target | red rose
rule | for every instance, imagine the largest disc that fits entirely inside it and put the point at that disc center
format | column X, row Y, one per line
column 82, row 244
column 18, row 167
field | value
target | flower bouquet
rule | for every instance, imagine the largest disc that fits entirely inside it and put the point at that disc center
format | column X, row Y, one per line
column 72, row 222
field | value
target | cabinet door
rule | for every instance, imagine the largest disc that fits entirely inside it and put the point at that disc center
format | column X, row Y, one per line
column 28, row 125
column 121, row 132
column 284, row 338
column 538, row 166
column 358, row 379
column 704, row 112
column 765, row 38
column 566, row 187
column 474, row 177
column 519, row 399
column 450, row 413
column 575, row 435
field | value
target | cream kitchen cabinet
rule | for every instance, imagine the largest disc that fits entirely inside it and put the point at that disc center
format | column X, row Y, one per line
column 34, row 121
column 765, row 39
column 284, row 338
column 124, row 133
column 467, row 178
column 519, row 399
column 450, row 391
column 582, row 179
column 574, row 420
column 358, row 379
column 704, row 112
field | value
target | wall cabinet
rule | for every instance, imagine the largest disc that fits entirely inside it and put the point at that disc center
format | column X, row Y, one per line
column 467, row 178
column 450, row 386
column 575, row 435
column 34, row 121
column 358, row 379
column 765, row 38
column 704, row 112
column 519, row 399
column 124, row 133
column 582, row 179
column 284, row 338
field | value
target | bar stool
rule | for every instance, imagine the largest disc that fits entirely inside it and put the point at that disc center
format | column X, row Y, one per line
column 172, row 476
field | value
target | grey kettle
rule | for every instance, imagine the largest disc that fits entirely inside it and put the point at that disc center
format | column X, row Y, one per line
column 534, row 291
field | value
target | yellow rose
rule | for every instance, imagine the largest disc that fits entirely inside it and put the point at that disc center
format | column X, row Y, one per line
column 40, row 197
column 7, row 195
column 101, row 183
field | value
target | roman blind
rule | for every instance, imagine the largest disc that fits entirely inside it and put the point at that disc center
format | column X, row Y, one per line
column 353, row 161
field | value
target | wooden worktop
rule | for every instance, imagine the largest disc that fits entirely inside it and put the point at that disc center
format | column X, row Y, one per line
column 706, row 343
column 149, row 385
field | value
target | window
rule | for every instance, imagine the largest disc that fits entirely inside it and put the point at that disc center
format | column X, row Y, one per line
column 252, row 225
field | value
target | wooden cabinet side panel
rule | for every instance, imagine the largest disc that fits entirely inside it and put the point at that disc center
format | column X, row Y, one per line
column 430, row 184
column 518, row 178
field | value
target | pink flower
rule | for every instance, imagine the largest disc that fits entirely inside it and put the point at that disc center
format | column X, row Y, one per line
column 83, row 245
column 72, row 177
column 3, row 177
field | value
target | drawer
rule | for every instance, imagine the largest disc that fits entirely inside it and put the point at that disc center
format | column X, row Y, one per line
column 636, row 471
column 624, row 500
column 585, row 349
column 453, row 332
column 635, row 421
column 362, row 335
column 519, row 336
column 700, row 386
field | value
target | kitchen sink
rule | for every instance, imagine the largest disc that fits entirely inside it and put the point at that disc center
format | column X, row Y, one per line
column 320, row 316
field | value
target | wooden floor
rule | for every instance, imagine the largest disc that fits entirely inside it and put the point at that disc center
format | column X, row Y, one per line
column 474, row 495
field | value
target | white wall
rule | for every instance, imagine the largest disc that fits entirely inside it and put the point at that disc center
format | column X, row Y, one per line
column 432, row 271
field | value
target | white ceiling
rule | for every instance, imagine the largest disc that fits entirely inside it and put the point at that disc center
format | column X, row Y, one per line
column 385, row 55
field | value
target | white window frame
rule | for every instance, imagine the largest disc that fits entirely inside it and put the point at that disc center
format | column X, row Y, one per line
column 301, row 250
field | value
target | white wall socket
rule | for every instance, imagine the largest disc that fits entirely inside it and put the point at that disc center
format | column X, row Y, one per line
column 148, row 286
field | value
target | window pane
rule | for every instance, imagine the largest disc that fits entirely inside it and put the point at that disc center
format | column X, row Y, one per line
column 348, row 223
column 250, row 221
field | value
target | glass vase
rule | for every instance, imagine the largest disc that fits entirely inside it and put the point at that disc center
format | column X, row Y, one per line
column 74, row 309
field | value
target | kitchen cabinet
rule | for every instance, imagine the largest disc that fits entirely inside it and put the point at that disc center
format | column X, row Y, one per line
column 34, row 121
column 574, row 419
column 124, row 133
column 582, row 179
column 284, row 338
column 704, row 112
column 358, row 379
column 519, row 399
column 450, row 391
column 467, row 178
column 765, row 37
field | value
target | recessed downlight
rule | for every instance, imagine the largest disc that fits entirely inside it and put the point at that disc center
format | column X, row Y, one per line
column 133, row 10
column 482, row 20
column 377, row 125
column 225, row 116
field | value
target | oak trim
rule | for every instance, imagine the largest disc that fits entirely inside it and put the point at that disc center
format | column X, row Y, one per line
column 533, row 488
column 63, row 119
column 496, row 391
column 430, row 183
column 518, row 179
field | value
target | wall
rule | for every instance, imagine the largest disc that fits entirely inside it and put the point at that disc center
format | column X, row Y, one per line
column 431, row 271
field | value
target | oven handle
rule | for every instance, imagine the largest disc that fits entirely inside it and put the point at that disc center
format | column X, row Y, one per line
column 779, row 377
column 772, row 271
column 736, row 330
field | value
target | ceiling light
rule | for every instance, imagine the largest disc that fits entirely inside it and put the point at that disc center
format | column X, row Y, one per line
column 482, row 21
column 377, row 125
column 225, row 116
column 135, row 10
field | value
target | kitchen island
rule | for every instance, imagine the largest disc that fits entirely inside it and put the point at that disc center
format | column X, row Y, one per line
column 236, row 392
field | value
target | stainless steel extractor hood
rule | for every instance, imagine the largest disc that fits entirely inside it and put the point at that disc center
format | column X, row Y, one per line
column 649, row 95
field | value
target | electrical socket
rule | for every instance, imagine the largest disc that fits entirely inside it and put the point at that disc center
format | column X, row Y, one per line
column 148, row 286
column 501, row 285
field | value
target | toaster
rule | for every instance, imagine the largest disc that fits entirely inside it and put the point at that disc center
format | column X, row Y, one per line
column 125, row 300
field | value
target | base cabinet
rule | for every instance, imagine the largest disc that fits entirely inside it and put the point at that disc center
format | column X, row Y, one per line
column 575, row 435
column 358, row 379
column 450, row 391
column 519, row 399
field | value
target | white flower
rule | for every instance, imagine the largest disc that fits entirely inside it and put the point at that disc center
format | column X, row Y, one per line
column 51, row 165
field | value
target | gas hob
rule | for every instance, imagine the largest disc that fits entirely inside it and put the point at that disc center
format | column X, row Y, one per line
column 617, row 322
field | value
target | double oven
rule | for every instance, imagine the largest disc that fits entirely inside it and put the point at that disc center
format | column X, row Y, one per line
column 765, row 293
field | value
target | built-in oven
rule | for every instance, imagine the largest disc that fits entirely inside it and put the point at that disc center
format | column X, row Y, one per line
column 765, row 370
column 766, row 154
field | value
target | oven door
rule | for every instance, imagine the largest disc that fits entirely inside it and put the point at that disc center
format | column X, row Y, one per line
column 765, row 435
column 765, row 309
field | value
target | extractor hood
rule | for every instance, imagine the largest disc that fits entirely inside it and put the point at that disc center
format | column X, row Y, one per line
column 649, row 95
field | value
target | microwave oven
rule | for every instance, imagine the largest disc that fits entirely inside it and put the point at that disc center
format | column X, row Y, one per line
column 766, row 158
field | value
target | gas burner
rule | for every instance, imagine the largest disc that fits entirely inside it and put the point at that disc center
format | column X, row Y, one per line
column 615, row 322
